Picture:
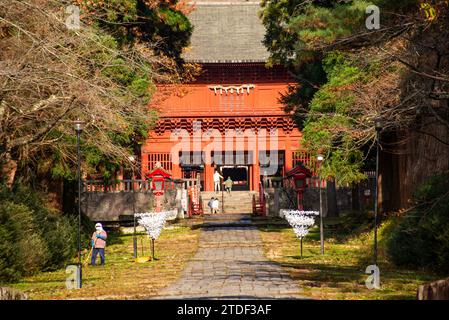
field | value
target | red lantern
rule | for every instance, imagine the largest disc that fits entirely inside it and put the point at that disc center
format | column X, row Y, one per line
column 158, row 176
column 299, row 175
column 300, row 181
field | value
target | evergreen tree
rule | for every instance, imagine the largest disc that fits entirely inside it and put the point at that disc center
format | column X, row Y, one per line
column 348, row 75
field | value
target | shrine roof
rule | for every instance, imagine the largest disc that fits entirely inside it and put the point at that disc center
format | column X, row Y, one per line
column 299, row 168
column 158, row 171
column 226, row 32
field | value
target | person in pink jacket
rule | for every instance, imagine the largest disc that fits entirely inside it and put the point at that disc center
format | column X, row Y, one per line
column 98, row 243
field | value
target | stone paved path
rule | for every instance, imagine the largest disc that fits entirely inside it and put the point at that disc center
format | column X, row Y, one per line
column 230, row 264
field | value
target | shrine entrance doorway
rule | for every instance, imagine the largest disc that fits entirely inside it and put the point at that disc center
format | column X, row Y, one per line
column 240, row 175
column 193, row 172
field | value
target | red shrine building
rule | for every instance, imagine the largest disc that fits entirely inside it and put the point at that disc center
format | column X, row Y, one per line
column 230, row 118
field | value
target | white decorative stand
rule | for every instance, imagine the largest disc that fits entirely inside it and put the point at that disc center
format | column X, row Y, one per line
column 154, row 222
column 300, row 221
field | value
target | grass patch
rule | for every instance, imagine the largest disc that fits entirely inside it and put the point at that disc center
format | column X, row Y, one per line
column 121, row 277
column 340, row 272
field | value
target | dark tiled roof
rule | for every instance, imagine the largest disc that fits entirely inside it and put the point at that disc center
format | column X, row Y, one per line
column 226, row 31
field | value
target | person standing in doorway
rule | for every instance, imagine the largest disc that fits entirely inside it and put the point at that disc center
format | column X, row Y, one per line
column 98, row 243
column 228, row 185
column 217, row 177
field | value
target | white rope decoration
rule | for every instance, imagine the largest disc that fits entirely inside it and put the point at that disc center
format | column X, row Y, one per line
column 153, row 222
column 300, row 221
column 238, row 89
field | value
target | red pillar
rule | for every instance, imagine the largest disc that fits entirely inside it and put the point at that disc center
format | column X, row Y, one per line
column 256, row 170
column 288, row 154
column 144, row 161
column 208, row 177
column 176, row 171
column 300, row 197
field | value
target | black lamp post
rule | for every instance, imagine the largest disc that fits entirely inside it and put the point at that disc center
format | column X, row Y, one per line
column 222, row 194
column 132, row 159
column 79, row 129
column 152, row 249
column 320, row 159
column 378, row 127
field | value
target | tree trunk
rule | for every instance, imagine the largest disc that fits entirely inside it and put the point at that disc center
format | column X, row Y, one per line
column 8, row 171
column 69, row 197
column 355, row 201
column 332, row 208
column 410, row 158
column 55, row 191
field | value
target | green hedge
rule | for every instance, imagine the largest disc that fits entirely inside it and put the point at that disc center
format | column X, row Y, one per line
column 421, row 237
column 32, row 237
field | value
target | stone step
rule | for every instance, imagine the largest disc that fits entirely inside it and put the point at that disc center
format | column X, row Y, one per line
column 236, row 202
column 227, row 198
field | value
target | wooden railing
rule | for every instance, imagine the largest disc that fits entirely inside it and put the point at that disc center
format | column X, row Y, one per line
column 259, row 205
column 192, row 182
column 270, row 182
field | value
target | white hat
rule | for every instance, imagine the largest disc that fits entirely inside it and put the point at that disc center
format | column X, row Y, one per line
column 98, row 225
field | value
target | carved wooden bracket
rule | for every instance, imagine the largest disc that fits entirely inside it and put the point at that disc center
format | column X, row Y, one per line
column 223, row 124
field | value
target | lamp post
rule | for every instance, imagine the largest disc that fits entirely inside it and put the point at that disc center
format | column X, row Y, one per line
column 378, row 127
column 132, row 159
column 222, row 197
column 222, row 193
column 320, row 159
column 79, row 128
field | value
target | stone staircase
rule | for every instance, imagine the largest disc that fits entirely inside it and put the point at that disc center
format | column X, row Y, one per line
column 236, row 202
